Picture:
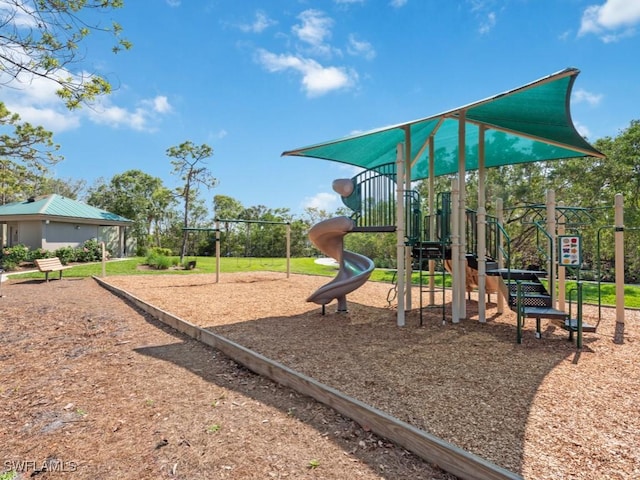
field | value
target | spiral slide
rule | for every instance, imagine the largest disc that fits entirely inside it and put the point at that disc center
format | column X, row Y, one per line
column 355, row 269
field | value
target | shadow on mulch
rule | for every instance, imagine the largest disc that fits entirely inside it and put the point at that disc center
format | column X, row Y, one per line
column 467, row 383
column 233, row 376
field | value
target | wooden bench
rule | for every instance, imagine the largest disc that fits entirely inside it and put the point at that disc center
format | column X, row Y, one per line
column 48, row 265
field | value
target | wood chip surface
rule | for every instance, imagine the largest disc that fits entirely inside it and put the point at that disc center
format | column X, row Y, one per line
column 542, row 408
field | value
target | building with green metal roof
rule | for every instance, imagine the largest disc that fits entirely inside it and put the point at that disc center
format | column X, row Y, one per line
column 53, row 221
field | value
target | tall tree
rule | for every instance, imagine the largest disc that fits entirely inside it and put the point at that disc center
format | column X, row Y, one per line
column 189, row 163
column 135, row 195
column 41, row 39
column 226, row 207
column 26, row 152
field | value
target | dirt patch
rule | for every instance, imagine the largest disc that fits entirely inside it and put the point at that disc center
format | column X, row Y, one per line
column 541, row 409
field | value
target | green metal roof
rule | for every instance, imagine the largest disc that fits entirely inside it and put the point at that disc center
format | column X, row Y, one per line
column 528, row 124
column 55, row 205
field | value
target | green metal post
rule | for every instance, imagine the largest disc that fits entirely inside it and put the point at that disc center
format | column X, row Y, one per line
column 579, row 316
column 519, row 310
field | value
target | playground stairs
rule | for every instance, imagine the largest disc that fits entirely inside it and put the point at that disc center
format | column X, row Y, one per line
column 535, row 300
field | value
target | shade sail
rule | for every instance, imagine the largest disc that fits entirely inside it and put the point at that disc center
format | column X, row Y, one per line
column 528, row 124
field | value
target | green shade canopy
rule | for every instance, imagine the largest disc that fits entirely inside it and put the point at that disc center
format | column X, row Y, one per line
column 528, row 124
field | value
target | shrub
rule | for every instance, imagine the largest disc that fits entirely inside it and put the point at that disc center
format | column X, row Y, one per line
column 90, row 251
column 38, row 253
column 161, row 251
column 66, row 254
column 8, row 265
column 160, row 262
column 12, row 256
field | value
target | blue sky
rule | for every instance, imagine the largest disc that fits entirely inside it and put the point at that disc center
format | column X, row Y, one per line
column 253, row 78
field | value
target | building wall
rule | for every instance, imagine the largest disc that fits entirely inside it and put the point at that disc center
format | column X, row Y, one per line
column 58, row 234
column 54, row 235
column 30, row 233
column 110, row 235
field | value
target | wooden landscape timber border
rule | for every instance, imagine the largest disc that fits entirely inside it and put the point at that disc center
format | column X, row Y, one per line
column 447, row 456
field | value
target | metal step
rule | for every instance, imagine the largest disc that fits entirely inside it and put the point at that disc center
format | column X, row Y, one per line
column 571, row 325
column 531, row 300
column 545, row 312
column 527, row 287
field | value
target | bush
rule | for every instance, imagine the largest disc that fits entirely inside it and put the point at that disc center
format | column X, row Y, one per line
column 8, row 265
column 12, row 256
column 66, row 254
column 161, row 251
column 38, row 253
column 90, row 251
column 160, row 262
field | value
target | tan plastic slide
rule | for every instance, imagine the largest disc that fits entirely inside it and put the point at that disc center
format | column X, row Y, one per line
column 354, row 270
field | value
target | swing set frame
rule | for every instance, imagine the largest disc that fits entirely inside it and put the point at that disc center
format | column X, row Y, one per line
column 217, row 229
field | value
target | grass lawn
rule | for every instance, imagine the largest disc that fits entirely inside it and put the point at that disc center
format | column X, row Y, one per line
column 307, row 266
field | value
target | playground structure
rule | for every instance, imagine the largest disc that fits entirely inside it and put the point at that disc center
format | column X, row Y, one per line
column 493, row 132
column 558, row 241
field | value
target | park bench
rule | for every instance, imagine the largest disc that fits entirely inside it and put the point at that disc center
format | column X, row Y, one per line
column 48, row 265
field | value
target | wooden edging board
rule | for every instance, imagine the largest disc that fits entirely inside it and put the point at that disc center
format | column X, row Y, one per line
column 447, row 456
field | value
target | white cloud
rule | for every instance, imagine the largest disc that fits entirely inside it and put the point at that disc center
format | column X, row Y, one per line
column 323, row 201
column 348, row 2
column 173, row 3
column 611, row 21
column 259, row 24
column 487, row 24
column 34, row 98
column 316, row 79
column 485, row 13
column 142, row 117
column 15, row 16
column 314, row 30
column 48, row 118
column 581, row 95
column 114, row 116
column 161, row 104
column 398, row 3
column 360, row 48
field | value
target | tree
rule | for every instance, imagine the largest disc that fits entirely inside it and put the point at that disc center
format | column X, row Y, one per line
column 67, row 187
column 41, row 39
column 26, row 152
column 226, row 208
column 135, row 195
column 189, row 162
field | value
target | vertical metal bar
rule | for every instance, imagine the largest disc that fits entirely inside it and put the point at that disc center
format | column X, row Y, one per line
column 500, row 246
column 407, row 188
column 579, row 317
column 218, row 250
column 519, row 311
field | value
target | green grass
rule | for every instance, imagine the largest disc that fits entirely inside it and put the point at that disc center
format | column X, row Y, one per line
column 307, row 266
column 607, row 293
